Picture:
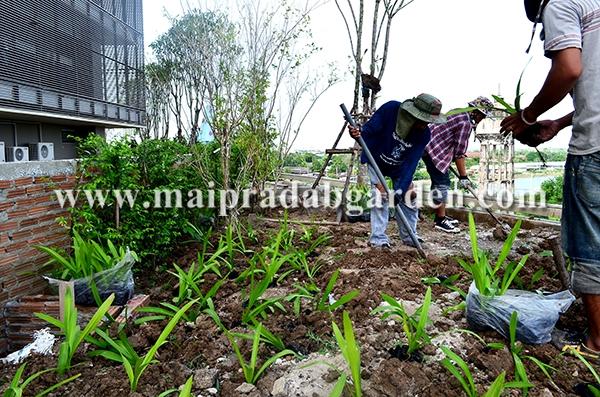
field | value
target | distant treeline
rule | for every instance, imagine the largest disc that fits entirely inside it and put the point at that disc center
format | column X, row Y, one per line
column 339, row 163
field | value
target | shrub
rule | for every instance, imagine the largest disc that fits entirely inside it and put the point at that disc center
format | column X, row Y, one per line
column 553, row 188
column 142, row 168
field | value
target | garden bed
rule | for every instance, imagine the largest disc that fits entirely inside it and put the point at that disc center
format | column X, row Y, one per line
column 201, row 348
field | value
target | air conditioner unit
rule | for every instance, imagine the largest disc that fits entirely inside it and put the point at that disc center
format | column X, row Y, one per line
column 42, row 151
column 2, row 155
column 17, row 153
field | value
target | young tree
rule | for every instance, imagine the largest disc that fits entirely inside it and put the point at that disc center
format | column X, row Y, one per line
column 353, row 15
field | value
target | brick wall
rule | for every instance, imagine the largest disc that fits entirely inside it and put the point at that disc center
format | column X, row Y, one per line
column 28, row 212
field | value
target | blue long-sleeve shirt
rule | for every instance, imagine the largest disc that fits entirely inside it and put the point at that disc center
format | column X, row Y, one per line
column 396, row 158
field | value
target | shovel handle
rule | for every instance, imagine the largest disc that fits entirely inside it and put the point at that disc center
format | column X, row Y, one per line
column 503, row 225
column 381, row 178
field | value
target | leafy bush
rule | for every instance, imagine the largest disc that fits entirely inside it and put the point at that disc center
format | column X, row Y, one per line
column 553, row 188
column 144, row 168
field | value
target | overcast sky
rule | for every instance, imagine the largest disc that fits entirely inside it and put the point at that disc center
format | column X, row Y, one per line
column 455, row 50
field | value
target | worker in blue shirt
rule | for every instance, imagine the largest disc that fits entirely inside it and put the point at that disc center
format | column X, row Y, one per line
column 396, row 135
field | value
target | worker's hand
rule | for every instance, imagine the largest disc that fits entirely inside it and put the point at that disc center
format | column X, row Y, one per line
column 547, row 130
column 381, row 189
column 354, row 131
column 464, row 182
column 514, row 124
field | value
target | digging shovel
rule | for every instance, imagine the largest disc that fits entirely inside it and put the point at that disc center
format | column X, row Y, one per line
column 399, row 214
column 505, row 228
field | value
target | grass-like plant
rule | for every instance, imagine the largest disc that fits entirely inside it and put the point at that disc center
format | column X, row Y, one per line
column 121, row 351
column 256, row 305
column 186, row 390
column 303, row 291
column 516, row 351
column 251, row 370
column 486, row 276
column 17, row 386
column 414, row 325
column 88, row 258
column 73, row 334
column 351, row 352
column 460, row 370
column 327, row 303
column 190, row 281
column 591, row 388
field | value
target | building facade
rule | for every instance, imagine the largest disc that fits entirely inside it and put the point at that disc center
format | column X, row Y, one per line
column 68, row 68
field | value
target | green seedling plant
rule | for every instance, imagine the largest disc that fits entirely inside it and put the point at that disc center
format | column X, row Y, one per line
column 186, row 390
column 256, row 305
column 250, row 368
column 591, row 388
column 327, row 302
column 303, row 291
column 315, row 243
column 122, row 352
column 17, row 386
column 308, row 234
column 266, row 336
column 168, row 310
column 519, row 356
column 198, row 235
column 516, row 350
column 414, row 326
column 191, row 280
column 448, row 282
column 351, row 352
column 460, row 370
column 88, row 258
column 492, row 345
column 486, row 276
column 73, row 334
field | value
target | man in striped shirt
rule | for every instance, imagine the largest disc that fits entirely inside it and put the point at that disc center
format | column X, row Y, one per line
column 449, row 143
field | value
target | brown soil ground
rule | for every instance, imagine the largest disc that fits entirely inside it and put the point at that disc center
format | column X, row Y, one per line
column 397, row 272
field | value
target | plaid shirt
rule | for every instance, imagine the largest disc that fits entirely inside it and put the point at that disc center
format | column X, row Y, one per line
column 449, row 141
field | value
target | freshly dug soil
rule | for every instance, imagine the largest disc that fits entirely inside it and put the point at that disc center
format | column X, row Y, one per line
column 202, row 350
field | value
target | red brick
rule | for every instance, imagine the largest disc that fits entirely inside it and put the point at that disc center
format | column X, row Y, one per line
column 28, row 222
column 29, row 266
column 16, row 193
column 6, row 205
column 40, row 230
column 51, row 217
column 8, row 226
column 17, row 213
column 25, row 201
column 21, row 235
column 58, row 178
column 47, row 198
column 14, row 247
column 23, row 181
column 40, row 210
column 36, row 189
column 6, row 184
column 8, row 259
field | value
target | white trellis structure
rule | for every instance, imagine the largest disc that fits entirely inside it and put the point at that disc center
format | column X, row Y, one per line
column 496, row 164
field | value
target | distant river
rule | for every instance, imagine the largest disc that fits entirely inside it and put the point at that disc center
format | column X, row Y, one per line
column 532, row 183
